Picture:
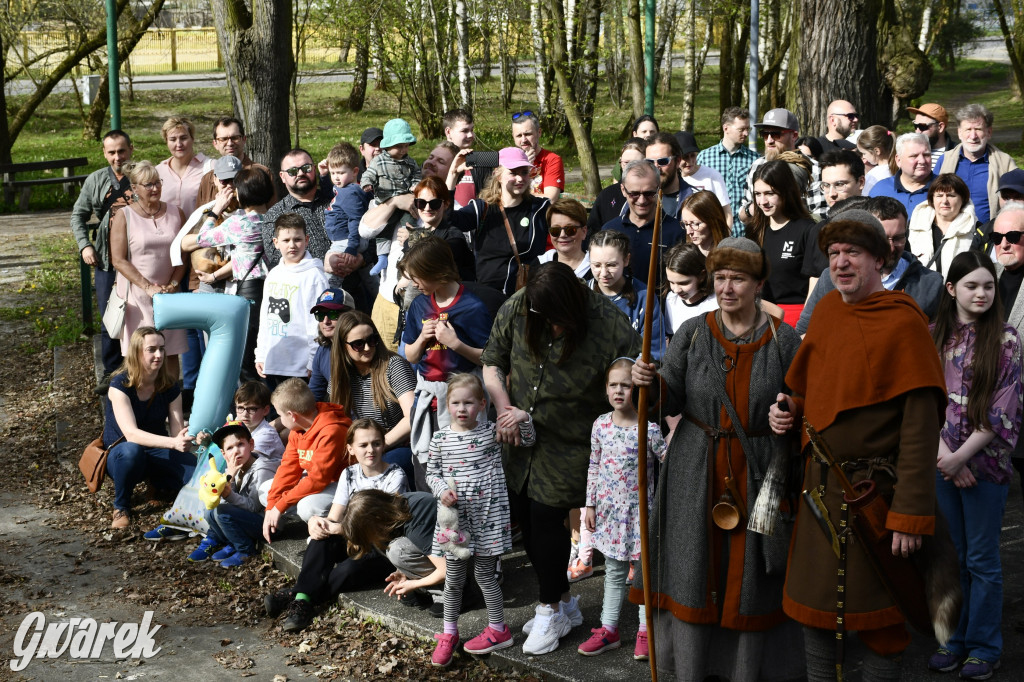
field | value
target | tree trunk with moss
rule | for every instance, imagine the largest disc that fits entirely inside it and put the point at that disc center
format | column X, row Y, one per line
column 256, row 42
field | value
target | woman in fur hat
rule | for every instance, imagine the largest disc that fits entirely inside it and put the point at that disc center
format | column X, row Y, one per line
column 717, row 588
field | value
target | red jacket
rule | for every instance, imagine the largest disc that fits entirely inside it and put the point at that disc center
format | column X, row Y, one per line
column 319, row 452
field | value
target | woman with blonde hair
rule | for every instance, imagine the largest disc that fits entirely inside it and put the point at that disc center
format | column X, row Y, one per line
column 144, row 397
column 183, row 170
column 140, row 241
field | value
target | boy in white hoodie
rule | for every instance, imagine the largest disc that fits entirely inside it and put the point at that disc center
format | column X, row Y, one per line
column 287, row 336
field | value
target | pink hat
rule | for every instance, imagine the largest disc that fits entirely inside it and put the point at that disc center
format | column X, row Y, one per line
column 512, row 158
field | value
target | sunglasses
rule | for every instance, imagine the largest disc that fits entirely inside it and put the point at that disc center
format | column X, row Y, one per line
column 520, row 114
column 1012, row 237
column 775, row 134
column 569, row 230
column 432, row 204
column 650, row 194
column 853, row 117
column 359, row 345
column 322, row 315
column 304, row 169
column 661, row 161
column 924, row 126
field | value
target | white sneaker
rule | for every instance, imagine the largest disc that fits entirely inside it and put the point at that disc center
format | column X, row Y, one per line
column 548, row 627
column 571, row 609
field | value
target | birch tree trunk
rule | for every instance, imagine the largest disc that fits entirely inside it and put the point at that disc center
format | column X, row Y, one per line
column 586, row 92
column 357, row 97
column 636, row 59
column 584, row 145
column 613, row 37
column 540, row 65
column 926, row 25
column 462, row 29
column 690, row 67
column 256, row 42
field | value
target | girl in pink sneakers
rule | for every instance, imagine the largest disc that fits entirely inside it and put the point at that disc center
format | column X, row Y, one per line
column 467, row 453
column 613, row 503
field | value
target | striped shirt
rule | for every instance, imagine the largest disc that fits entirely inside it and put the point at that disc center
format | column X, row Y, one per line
column 402, row 380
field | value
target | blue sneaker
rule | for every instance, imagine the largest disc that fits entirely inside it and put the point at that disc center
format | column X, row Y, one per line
column 235, row 560
column 161, row 533
column 203, row 552
column 224, row 553
column 977, row 669
column 944, row 661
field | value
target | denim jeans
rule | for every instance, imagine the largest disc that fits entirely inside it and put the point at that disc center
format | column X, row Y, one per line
column 130, row 464
column 235, row 526
column 110, row 349
column 975, row 518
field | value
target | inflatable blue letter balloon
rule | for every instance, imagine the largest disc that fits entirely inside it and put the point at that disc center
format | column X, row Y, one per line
column 225, row 318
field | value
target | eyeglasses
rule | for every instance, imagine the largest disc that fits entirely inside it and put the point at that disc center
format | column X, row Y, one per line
column 324, row 314
column 432, row 204
column 695, row 224
column 359, row 345
column 247, row 409
column 898, row 239
column 661, row 161
column 853, row 117
column 151, row 186
column 1013, row 237
column 304, row 169
column 521, row 114
column 650, row 194
column 569, row 230
column 837, row 186
column 925, row 126
column 229, row 138
column 775, row 134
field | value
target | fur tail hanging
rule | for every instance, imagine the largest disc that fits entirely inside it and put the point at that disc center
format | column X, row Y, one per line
column 940, row 566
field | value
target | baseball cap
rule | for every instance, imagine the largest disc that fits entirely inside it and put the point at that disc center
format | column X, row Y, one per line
column 512, row 158
column 931, row 110
column 234, row 427
column 687, row 142
column 226, row 167
column 371, row 135
column 333, row 299
column 780, row 118
column 1013, row 180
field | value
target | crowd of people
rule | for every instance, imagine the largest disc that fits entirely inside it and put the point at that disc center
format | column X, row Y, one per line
column 443, row 355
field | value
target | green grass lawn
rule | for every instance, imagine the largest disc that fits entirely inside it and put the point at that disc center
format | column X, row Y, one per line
column 55, row 130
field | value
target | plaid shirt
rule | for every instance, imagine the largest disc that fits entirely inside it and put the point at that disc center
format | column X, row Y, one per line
column 814, row 196
column 390, row 177
column 732, row 166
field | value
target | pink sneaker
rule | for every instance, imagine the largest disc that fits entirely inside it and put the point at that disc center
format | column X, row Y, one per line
column 640, row 652
column 601, row 641
column 489, row 640
column 445, row 649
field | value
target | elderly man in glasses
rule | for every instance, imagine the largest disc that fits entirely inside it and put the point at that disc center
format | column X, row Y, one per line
column 931, row 120
column 547, row 179
column 780, row 129
column 640, row 184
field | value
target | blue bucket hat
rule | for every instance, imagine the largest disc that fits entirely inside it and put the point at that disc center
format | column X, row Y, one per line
column 397, row 131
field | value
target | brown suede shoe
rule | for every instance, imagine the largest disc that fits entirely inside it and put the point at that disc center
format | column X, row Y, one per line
column 121, row 519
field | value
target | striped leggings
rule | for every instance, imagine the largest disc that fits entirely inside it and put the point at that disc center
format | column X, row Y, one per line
column 455, row 579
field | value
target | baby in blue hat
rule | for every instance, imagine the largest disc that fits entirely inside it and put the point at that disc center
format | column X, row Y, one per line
column 390, row 174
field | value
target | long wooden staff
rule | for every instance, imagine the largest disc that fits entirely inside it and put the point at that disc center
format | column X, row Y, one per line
column 641, row 409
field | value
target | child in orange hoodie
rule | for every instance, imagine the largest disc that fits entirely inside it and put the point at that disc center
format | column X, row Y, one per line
column 313, row 459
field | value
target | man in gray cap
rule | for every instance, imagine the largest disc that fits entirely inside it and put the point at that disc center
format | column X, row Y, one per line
column 779, row 129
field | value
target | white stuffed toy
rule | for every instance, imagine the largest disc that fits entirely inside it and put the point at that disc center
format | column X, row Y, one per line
column 449, row 537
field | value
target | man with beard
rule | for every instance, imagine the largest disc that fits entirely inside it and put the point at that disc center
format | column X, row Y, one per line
column 663, row 152
column 842, row 119
column 780, row 129
column 931, row 120
column 978, row 163
column 104, row 192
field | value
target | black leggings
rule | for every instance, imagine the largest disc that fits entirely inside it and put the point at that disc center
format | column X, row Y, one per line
column 546, row 537
column 327, row 569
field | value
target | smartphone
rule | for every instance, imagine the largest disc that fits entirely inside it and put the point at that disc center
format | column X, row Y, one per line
column 482, row 159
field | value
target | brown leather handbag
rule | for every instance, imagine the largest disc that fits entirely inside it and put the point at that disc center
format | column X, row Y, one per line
column 522, row 270
column 93, row 463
